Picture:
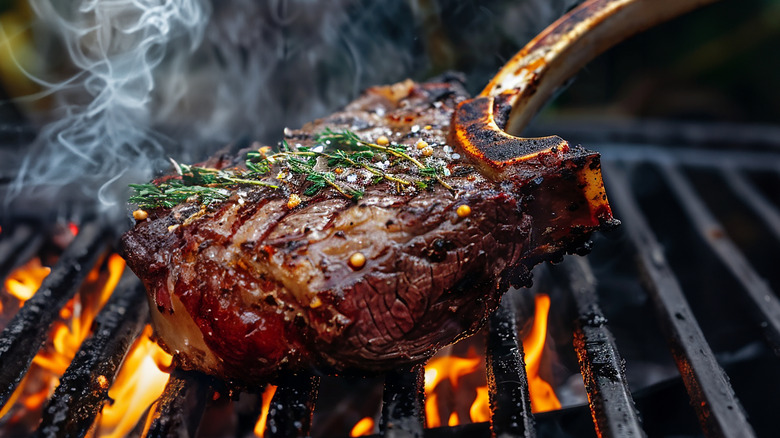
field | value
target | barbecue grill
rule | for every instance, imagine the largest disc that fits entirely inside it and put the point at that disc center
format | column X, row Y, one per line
column 685, row 196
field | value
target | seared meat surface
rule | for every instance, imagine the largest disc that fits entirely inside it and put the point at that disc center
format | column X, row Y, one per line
column 256, row 284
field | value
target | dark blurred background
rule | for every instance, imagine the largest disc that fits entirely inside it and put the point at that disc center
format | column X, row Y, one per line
column 718, row 63
column 235, row 71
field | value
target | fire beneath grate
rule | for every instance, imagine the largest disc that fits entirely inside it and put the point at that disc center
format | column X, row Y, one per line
column 688, row 280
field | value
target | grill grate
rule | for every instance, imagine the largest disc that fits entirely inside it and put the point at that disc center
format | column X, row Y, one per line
column 712, row 395
column 611, row 403
column 24, row 335
column 510, row 400
column 84, row 388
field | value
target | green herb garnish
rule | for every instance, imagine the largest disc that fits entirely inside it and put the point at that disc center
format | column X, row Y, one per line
column 333, row 152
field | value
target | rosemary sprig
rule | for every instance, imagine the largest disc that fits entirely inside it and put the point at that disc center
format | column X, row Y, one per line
column 174, row 192
column 205, row 185
column 319, row 180
column 343, row 159
column 338, row 150
column 203, row 176
column 350, row 139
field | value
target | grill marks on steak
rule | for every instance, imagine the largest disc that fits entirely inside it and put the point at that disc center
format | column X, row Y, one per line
column 251, row 287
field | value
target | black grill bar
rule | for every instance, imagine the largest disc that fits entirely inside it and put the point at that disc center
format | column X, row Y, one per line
column 24, row 335
column 84, row 387
column 718, row 409
column 764, row 209
column 180, row 408
column 292, row 406
column 403, row 402
column 611, row 405
column 510, row 402
column 764, row 303
column 19, row 246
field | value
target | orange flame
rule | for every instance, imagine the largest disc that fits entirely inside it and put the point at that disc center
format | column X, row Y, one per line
column 452, row 368
column 439, row 369
column 480, row 409
column 139, row 383
column 363, row 427
column 77, row 315
column 542, row 395
column 25, row 280
column 268, row 394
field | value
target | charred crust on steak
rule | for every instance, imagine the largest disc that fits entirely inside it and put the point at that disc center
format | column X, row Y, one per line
column 246, row 290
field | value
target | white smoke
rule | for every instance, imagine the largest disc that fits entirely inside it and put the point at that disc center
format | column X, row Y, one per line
column 152, row 79
column 101, row 133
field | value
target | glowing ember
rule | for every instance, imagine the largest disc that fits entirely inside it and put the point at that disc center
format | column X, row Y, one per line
column 542, row 395
column 363, row 427
column 268, row 394
column 25, row 280
column 139, row 383
column 74, row 229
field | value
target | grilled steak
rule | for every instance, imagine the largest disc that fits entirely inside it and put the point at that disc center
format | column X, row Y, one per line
column 271, row 279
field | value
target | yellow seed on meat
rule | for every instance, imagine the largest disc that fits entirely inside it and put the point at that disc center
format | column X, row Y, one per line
column 422, row 144
column 315, row 302
column 463, row 211
column 357, row 260
column 383, row 141
column 140, row 215
column 427, row 151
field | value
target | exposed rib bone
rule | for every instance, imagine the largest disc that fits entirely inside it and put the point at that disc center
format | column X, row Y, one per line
column 481, row 126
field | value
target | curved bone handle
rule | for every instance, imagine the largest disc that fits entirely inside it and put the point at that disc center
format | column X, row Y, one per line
column 523, row 85
column 571, row 42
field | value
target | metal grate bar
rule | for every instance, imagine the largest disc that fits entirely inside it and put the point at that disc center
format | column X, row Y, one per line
column 180, row 408
column 84, row 387
column 510, row 401
column 718, row 409
column 764, row 302
column 768, row 213
column 24, row 335
column 292, row 406
column 18, row 247
column 402, row 404
column 611, row 405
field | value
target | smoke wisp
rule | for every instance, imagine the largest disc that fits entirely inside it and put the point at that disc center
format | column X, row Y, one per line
column 101, row 133
column 152, row 79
